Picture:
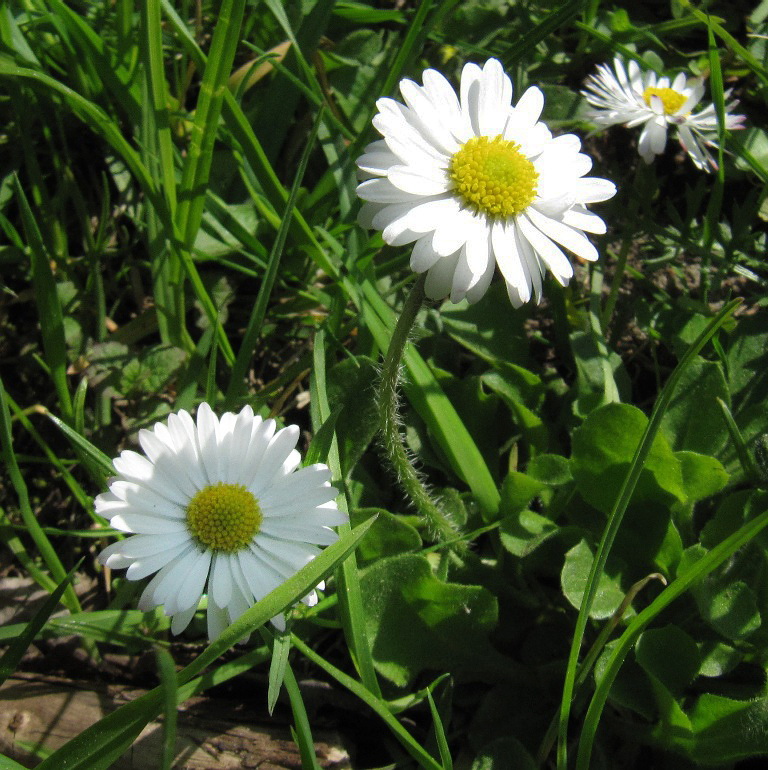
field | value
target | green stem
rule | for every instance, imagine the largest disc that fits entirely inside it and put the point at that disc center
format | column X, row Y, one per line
column 392, row 441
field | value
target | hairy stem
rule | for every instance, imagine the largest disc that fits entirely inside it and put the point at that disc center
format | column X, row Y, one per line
column 438, row 522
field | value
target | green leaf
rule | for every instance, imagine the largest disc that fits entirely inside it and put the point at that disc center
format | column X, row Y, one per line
column 517, row 491
column 718, row 658
column 388, row 536
column 670, row 656
column 550, row 469
column 731, row 609
column 420, row 623
column 599, row 372
column 503, row 754
column 523, row 532
column 490, row 329
column 703, row 476
column 603, row 448
column 694, row 420
column 727, row 730
column 573, row 579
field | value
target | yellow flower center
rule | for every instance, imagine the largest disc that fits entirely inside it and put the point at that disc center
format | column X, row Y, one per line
column 492, row 177
column 224, row 517
column 671, row 99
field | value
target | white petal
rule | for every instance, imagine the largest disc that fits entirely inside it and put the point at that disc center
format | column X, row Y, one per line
column 220, row 581
column 584, row 220
column 182, row 619
column 593, row 190
column 531, row 103
column 495, row 98
column 564, row 235
column 440, row 277
column 423, row 255
column 418, row 181
column 261, row 578
column 217, row 620
column 469, row 91
column 207, row 424
column 191, row 588
column 510, row 261
column 383, row 191
column 146, row 565
column 147, row 525
column 303, row 481
column 434, row 124
column 299, row 529
column 280, row 446
column 550, row 254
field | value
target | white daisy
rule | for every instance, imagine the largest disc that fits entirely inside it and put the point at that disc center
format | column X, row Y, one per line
column 634, row 98
column 475, row 182
column 218, row 507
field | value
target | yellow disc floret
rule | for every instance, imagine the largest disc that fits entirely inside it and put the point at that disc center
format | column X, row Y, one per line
column 224, row 517
column 671, row 99
column 492, row 177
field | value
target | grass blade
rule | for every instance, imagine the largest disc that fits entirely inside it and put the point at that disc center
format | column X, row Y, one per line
column 18, row 647
column 44, row 547
column 255, row 322
column 166, row 669
column 48, row 305
column 377, row 705
column 349, row 593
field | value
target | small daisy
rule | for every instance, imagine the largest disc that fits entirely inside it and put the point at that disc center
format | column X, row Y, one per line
column 218, row 507
column 474, row 182
column 635, row 98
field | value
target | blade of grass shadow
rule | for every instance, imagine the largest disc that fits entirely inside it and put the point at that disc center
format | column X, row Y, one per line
column 99, row 745
column 377, row 705
column 626, row 641
column 434, row 407
column 615, row 518
column 347, row 577
column 46, row 550
column 259, row 311
column 16, row 650
column 48, row 306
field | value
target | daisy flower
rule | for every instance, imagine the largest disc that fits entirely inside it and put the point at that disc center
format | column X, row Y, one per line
column 216, row 507
column 629, row 96
column 474, row 182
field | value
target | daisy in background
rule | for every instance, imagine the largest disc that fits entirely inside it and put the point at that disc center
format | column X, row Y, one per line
column 475, row 182
column 629, row 96
column 217, row 507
